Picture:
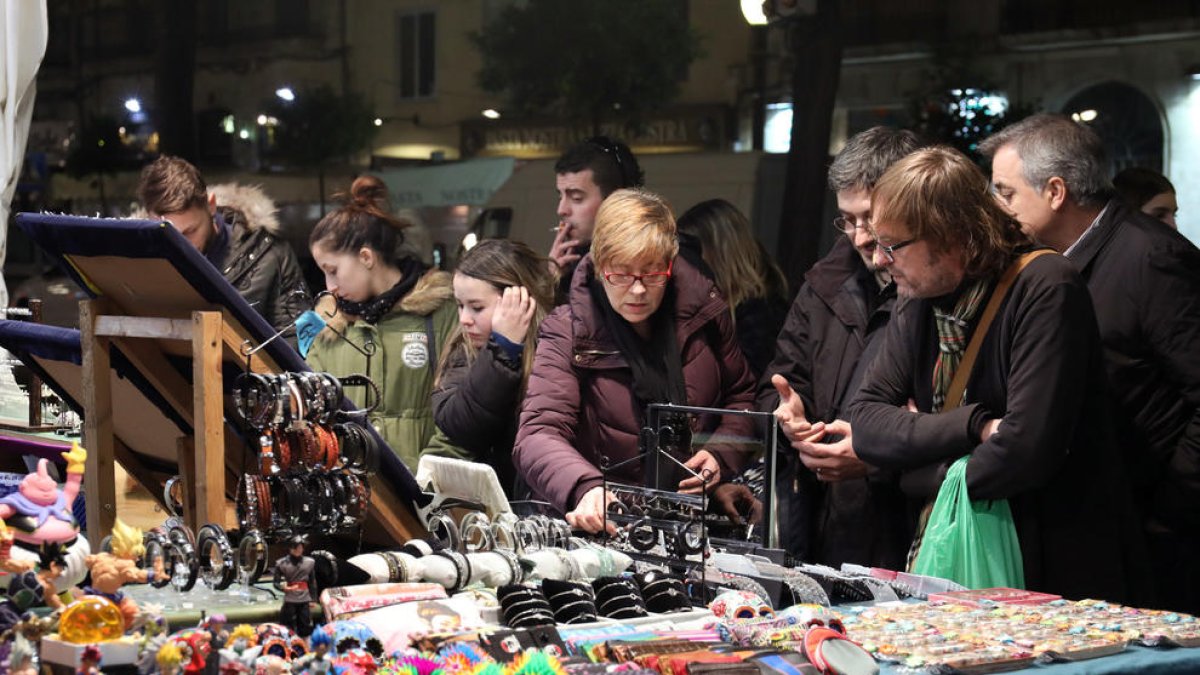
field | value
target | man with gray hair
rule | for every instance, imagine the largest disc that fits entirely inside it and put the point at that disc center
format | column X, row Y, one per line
column 1051, row 174
column 833, row 507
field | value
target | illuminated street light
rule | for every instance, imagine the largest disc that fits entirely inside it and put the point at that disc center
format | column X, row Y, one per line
column 752, row 10
column 491, row 114
column 378, row 121
column 133, row 105
column 286, row 94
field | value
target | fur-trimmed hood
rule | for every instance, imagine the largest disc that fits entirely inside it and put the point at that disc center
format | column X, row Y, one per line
column 433, row 289
column 257, row 210
column 254, row 208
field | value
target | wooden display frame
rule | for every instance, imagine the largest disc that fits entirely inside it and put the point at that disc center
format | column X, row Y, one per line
column 202, row 460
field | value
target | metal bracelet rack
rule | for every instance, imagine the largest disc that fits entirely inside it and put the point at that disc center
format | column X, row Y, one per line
column 668, row 431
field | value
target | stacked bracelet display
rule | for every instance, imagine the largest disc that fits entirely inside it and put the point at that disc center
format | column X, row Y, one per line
column 572, row 602
column 524, row 606
column 312, row 470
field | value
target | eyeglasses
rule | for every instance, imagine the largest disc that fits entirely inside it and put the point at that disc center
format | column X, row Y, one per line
column 649, row 280
column 890, row 251
column 848, row 227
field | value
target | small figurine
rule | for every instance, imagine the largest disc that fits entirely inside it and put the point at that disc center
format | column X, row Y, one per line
column 238, row 647
column 200, row 649
column 111, row 571
column 89, row 661
column 20, row 658
column 150, row 632
column 169, row 658
column 319, row 660
column 51, row 563
column 7, row 562
column 39, row 513
column 214, row 624
column 295, row 574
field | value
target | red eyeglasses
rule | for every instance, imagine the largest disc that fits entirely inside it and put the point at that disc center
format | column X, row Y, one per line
column 650, row 279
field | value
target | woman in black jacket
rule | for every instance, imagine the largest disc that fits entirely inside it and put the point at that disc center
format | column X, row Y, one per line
column 503, row 290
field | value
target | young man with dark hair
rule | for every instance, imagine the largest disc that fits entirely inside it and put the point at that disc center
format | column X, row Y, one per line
column 235, row 228
column 585, row 175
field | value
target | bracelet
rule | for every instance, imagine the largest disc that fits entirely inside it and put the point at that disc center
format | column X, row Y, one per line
column 393, row 568
column 295, row 398
column 632, row 597
column 587, row 613
column 324, row 506
column 174, row 506
column 440, row 523
column 504, row 536
column 528, row 537
column 514, row 565
column 602, row 584
column 156, row 549
column 326, row 576
column 462, row 568
column 265, row 507
column 267, row 464
column 417, row 548
column 527, row 606
column 670, row 592
column 576, row 592
column 474, row 523
column 247, row 503
column 568, row 561
column 252, row 557
column 405, row 573
column 216, row 571
column 180, row 540
column 642, row 536
column 689, row 537
column 542, row 617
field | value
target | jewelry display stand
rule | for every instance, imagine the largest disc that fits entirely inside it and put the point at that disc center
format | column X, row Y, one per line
column 165, row 319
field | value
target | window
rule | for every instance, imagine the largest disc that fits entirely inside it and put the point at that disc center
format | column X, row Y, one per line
column 416, row 43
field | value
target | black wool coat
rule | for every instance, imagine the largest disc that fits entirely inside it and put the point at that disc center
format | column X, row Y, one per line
column 831, row 329
column 1054, row 458
column 1144, row 278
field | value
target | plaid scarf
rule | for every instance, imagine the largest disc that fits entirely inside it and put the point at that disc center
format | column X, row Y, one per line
column 952, row 344
column 952, row 339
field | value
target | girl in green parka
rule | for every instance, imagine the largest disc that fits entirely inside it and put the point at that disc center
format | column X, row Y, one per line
column 405, row 309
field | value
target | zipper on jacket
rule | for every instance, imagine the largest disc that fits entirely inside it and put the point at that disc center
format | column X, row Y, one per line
column 596, row 352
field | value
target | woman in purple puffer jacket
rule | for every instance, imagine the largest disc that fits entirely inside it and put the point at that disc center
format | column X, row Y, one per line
column 641, row 326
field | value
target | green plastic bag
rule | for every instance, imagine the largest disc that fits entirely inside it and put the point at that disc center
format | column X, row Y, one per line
column 971, row 542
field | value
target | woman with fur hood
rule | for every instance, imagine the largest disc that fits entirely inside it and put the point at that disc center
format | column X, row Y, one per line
column 404, row 308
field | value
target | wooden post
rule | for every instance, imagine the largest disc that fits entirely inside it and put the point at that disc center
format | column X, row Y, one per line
column 185, row 452
column 209, row 417
column 99, row 478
